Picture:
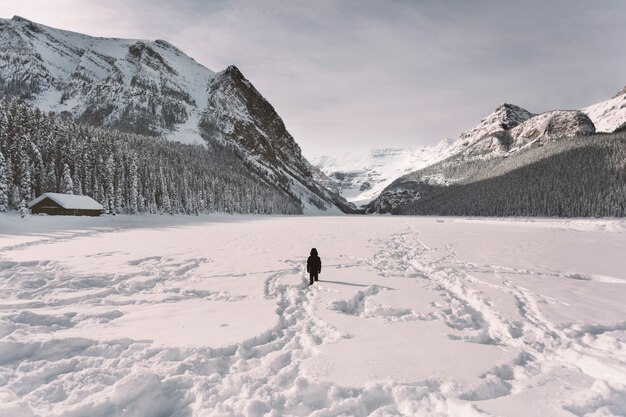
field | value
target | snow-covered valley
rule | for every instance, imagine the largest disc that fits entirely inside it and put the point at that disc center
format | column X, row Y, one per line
column 361, row 176
column 199, row 316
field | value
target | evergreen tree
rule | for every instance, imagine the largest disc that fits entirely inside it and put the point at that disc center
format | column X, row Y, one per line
column 110, row 185
column 50, row 181
column 133, row 192
column 67, row 186
column 4, row 184
column 22, row 209
column 26, row 190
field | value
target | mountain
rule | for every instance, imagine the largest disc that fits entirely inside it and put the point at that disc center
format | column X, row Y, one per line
column 132, row 85
column 510, row 128
column 364, row 177
column 609, row 115
column 489, row 135
column 125, row 172
column 518, row 163
column 581, row 176
column 361, row 176
column 153, row 88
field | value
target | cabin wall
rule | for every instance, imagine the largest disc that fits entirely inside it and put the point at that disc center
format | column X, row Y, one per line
column 59, row 211
column 50, row 207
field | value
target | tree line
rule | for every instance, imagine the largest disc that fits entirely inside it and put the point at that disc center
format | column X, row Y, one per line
column 569, row 177
column 126, row 173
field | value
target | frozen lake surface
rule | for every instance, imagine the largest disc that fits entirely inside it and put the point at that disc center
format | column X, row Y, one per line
column 213, row 316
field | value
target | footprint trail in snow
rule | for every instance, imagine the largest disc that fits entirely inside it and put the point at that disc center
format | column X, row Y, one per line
column 69, row 345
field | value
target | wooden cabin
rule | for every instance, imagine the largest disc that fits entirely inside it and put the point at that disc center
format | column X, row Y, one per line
column 65, row 205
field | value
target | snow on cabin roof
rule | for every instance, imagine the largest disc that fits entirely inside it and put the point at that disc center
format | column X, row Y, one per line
column 69, row 201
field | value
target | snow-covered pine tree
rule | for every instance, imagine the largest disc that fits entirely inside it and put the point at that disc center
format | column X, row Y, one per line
column 26, row 189
column 133, row 191
column 109, row 170
column 23, row 210
column 4, row 184
column 78, row 186
column 50, row 180
column 38, row 170
column 67, row 185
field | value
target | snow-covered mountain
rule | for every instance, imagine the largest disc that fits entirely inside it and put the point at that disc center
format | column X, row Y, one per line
column 361, row 176
column 510, row 128
column 479, row 164
column 134, row 85
column 506, row 116
column 609, row 115
column 151, row 87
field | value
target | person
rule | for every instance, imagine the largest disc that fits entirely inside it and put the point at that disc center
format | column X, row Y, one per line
column 313, row 266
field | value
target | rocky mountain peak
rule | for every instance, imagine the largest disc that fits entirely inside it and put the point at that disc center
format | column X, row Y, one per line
column 234, row 72
column 20, row 19
column 490, row 135
column 510, row 127
column 510, row 115
column 236, row 109
column 506, row 116
column 552, row 125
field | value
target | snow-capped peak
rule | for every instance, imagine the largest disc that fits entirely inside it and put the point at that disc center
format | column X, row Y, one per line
column 361, row 176
column 506, row 116
column 609, row 115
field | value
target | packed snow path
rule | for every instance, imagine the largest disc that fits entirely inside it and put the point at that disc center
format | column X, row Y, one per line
column 178, row 316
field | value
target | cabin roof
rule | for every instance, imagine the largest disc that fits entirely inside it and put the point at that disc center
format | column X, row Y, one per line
column 69, row 201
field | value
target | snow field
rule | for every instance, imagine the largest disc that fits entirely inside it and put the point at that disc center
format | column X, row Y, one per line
column 213, row 316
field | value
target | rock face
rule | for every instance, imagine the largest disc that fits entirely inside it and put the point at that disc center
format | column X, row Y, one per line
column 551, row 125
column 151, row 87
column 237, row 112
column 609, row 115
column 491, row 134
column 505, row 117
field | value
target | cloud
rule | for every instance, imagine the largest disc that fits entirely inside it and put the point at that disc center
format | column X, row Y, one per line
column 371, row 73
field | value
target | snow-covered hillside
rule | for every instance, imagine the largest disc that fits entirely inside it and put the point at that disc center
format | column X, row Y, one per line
column 153, row 88
column 104, row 81
column 158, row 315
column 609, row 115
column 361, row 176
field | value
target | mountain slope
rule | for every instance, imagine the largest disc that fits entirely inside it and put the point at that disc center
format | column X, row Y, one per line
column 134, row 85
column 609, row 115
column 152, row 88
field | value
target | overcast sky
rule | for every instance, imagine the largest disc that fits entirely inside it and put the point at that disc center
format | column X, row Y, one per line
column 352, row 74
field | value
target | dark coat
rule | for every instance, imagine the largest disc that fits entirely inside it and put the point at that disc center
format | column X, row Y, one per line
column 314, row 263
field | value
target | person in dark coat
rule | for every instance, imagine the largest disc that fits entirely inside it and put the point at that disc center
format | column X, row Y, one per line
column 313, row 266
